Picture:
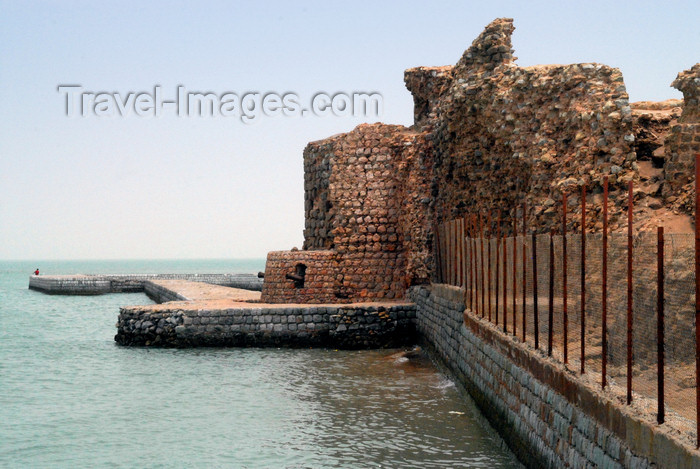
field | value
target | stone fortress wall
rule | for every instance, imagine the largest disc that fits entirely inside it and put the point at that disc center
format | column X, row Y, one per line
column 683, row 142
column 488, row 136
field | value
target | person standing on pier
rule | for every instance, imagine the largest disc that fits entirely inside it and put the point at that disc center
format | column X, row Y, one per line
column 36, row 272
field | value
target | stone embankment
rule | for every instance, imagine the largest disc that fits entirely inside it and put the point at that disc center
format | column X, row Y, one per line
column 101, row 284
column 350, row 326
column 197, row 315
column 548, row 416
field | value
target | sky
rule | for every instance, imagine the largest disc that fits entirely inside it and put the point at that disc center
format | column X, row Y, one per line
column 174, row 186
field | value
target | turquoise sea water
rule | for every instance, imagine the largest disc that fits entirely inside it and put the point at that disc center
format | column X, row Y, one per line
column 70, row 397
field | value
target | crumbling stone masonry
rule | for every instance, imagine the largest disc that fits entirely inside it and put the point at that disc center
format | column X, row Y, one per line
column 488, row 136
column 367, row 212
column 506, row 134
column 683, row 142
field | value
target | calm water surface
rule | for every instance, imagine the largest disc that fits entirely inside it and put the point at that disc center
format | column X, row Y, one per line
column 69, row 397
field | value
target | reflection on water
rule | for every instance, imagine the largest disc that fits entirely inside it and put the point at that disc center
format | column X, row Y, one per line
column 70, row 397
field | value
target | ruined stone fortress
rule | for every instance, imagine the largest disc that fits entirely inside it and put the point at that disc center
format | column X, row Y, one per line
column 488, row 136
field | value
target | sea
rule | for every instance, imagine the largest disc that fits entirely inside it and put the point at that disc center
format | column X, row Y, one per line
column 71, row 397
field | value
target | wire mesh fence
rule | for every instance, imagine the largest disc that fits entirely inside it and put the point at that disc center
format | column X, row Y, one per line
column 555, row 302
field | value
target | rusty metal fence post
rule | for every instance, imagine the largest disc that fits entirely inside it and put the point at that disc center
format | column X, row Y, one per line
column 488, row 262
column 505, row 286
column 445, row 250
column 583, row 279
column 535, row 313
column 441, row 250
column 629, row 295
column 455, row 249
column 697, row 295
column 498, row 245
column 460, row 249
column 456, row 253
column 565, row 306
column 475, row 265
column 515, row 274
column 550, row 335
column 660, row 416
column 450, row 260
column 438, row 263
column 448, row 252
column 524, row 267
column 604, row 286
column 470, row 258
column 462, row 255
column 483, row 286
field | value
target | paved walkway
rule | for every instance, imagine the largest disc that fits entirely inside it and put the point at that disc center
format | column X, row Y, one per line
column 215, row 297
column 198, row 291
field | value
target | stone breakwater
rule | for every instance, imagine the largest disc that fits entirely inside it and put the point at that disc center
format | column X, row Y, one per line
column 548, row 416
column 195, row 314
column 351, row 326
column 101, row 284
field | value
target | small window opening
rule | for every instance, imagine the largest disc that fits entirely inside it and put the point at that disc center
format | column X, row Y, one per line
column 298, row 276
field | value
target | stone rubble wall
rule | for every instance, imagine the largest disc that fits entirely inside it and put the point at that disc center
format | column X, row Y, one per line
column 488, row 136
column 428, row 86
column 507, row 134
column 319, row 160
column 683, row 143
column 358, row 326
column 547, row 417
column 101, row 284
column 367, row 195
column 652, row 124
column 321, row 282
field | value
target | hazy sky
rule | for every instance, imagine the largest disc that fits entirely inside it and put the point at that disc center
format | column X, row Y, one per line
column 200, row 187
